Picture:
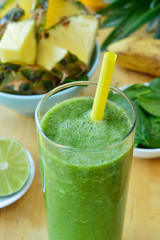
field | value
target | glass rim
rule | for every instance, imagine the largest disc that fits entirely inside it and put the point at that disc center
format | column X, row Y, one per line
column 74, row 84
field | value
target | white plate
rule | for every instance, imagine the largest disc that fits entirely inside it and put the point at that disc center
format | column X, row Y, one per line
column 5, row 201
column 143, row 152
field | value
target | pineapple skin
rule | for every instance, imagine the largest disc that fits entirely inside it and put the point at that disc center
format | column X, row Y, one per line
column 31, row 80
column 70, row 68
column 26, row 80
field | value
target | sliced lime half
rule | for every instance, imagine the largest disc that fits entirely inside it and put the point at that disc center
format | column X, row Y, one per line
column 14, row 166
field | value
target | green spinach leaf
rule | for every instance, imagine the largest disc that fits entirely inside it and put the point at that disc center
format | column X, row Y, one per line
column 121, row 101
column 136, row 90
column 150, row 103
column 155, row 85
column 154, row 141
column 142, row 135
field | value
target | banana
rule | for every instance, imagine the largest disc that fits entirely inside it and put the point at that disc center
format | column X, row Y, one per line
column 138, row 53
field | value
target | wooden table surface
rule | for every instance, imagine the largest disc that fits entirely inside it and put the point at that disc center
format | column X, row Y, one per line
column 25, row 219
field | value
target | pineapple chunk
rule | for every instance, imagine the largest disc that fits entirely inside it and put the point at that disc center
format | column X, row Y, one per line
column 61, row 63
column 76, row 34
column 48, row 55
column 58, row 9
column 18, row 44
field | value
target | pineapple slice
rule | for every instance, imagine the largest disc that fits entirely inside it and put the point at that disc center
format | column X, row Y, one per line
column 18, row 44
column 60, row 62
column 62, row 8
column 76, row 34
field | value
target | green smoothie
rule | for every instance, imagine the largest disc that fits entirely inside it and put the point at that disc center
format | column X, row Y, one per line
column 85, row 184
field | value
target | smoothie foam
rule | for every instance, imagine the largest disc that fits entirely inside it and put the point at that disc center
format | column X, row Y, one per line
column 69, row 124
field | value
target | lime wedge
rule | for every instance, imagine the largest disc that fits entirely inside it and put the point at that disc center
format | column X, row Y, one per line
column 14, row 166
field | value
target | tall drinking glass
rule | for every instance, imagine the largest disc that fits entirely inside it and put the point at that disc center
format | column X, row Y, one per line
column 85, row 190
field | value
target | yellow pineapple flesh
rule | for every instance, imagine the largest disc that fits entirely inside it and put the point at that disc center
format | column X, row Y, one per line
column 48, row 55
column 18, row 44
column 58, row 9
column 76, row 34
column 63, row 65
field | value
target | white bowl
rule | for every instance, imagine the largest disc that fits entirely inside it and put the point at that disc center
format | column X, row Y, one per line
column 26, row 104
column 144, row 152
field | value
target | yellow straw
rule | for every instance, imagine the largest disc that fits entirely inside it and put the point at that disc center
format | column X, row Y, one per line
column 103, row 86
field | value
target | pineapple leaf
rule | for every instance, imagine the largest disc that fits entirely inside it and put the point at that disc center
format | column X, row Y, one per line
column 151, row 24
column 111, row 7
column 115, row 34
column 133, row 22
column 113, row 21
column 157, row 32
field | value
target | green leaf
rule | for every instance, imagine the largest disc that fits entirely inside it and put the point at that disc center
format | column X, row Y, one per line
column 136, row 90
column 153, row 3
column 150, row 103
column 152, row 24
column 147, row 103
column 118, row 4
column 157, row 32
column 115, row 34
column 142, row 127
column 132, row 23
column 135, row 144
column 154, row 141
column 113, row 20
column 155, row 85
column 121, row 101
